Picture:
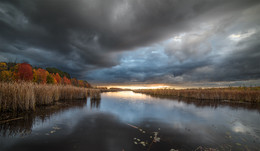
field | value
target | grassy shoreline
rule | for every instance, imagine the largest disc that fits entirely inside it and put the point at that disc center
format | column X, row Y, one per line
column 22, row 96
column 238, row 94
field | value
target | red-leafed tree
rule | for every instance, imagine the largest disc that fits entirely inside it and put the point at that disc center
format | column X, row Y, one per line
column 66, row 80
column 58, row 78
column 25, row 72
column 54, row 79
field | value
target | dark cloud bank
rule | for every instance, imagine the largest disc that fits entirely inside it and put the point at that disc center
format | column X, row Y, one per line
column 155, row 41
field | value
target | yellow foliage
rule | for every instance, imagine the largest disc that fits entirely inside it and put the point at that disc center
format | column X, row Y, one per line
column 6, row 76
column 3, row 66
column 35, row 76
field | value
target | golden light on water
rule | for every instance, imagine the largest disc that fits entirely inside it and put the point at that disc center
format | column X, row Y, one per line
column 129, row 95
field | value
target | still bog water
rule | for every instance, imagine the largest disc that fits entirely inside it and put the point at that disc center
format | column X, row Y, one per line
column 128, row 121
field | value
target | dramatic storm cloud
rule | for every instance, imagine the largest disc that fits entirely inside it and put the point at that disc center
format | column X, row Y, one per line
column 155, row 41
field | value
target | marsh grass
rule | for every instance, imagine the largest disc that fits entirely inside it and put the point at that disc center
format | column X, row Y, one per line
column 16, row 96
column 94, row 94
column 245, row 94
column 72, row 92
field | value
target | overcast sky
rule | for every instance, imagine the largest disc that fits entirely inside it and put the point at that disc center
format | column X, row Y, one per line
column 135, row 41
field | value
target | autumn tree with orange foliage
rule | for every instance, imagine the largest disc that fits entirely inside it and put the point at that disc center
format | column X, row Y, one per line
column 53, row 77
column 58, row 78
column 66, row 81
column 40, row 76
column 25, row 72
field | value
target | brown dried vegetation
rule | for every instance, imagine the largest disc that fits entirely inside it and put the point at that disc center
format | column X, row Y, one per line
column 25, row 95
column 243, row 94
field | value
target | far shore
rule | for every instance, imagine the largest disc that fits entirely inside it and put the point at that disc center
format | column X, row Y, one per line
column 237, row 94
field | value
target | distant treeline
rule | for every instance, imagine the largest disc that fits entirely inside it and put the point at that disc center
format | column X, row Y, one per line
column 25, row 72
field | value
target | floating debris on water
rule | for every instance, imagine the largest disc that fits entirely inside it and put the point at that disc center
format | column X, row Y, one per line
column 52, row 132
column 143, row 143
column 156, row 138
column 56, row 128
column 132, row 126
column 200, row 148
column 173, row 149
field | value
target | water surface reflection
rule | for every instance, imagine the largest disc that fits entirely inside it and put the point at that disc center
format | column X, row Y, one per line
column 127, row 121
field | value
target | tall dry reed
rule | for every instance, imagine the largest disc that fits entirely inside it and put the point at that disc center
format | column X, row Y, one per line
column 25, row 96
column 44, row 94
column 14, row 96
column 94, row 94
column 232, row 94
column 71, row 92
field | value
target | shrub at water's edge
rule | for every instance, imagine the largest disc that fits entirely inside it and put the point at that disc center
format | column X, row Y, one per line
column 16, row 96
column 243, row 94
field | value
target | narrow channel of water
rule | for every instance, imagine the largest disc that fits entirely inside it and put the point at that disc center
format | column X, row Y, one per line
column 131, row 121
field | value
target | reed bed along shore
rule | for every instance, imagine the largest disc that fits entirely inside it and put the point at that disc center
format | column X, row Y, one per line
column 94, row 94
column 242, row 94
column 15, row 96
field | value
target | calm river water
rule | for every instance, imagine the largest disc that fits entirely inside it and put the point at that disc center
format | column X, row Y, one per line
column 128, row 121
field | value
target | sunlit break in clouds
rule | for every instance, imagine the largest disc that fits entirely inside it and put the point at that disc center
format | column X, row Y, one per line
column 201, row 43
